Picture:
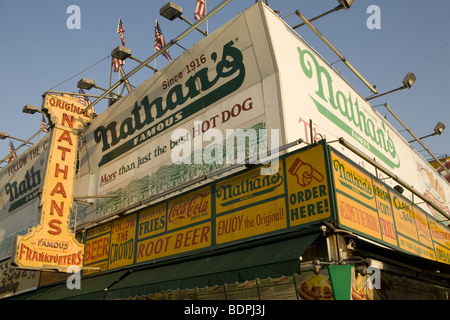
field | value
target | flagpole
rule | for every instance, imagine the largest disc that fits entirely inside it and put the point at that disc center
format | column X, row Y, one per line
column 154, row 61
column 156, row 54
column 118, row 73
column 206, row 10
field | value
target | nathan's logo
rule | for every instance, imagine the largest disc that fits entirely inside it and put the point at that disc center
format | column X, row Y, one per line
column 25, row 190
column 247, row 188
column 345, row 112
column 350, row 179
column 161, row 113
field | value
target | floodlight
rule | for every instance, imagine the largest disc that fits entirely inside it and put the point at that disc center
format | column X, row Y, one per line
column 407, row 82
column 171, row 11
column 346, row 4
column 86, row 84
column 438, row 129
column 121, row 53
column 30, row 109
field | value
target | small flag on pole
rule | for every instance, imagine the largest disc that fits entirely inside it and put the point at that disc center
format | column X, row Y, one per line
column 200, row 9
column 44, row 124
column 160, row 42
column 120, row 30
column 11, row 149
column 84, row 100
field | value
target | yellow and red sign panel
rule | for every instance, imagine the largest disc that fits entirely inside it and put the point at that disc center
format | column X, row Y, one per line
column 51, row 244
column 368, row 207
column 244, row 206
column 308, row 189
column 250, row 204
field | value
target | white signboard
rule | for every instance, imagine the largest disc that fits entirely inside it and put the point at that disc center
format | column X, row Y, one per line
column 184, row 122
column 21, row 183
column 253, row 73
column 312, row 90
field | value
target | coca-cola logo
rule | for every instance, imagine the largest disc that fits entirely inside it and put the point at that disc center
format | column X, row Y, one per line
column 190, row 207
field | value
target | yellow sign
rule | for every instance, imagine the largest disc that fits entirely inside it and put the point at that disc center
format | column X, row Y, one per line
column 188, row 209
column 385, row 214
column 152, row 221
column 251, row 204
column 306, row 178
column 96, row 248
column 369, row 207
column 181, row 241
column 355, row 198
column 51, row 244
column 247, row 189
column 123, row 233
column 248, row 222
column 241, row 207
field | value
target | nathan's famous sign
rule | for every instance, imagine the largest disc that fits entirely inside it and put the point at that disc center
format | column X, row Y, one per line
column 316, row 98
column 212, row 88
column 51, row 244
column 181, row 101
column 344, row 111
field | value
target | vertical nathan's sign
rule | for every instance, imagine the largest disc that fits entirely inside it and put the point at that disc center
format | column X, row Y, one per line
column 51, row 243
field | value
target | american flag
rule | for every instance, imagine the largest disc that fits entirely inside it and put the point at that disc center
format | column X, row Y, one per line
column 120, row 30
column 11, row 149
column 160, row 42
column 200, row 9
column 44, row 124
column 84, row 100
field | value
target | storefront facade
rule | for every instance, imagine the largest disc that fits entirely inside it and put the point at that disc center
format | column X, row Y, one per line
column 174, row 207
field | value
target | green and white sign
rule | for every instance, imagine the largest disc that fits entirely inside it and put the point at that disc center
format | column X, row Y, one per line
column 254, row 75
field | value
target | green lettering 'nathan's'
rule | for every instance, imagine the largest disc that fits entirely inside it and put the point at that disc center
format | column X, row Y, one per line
column 344, row 111
column 153, row 122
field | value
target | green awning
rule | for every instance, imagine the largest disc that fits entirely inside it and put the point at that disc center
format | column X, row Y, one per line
column 270, row 260
column 92, row 288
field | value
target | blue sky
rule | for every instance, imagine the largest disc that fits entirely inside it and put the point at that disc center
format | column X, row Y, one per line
column 38, row 52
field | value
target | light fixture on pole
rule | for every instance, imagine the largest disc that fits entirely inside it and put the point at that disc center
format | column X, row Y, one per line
column 388, row 108
column 333, row 48
column 30, row 109
column 407, row 82
column 4, row 135
column 438, row 129
column 114, row 86
column 343, row 4
column 172, row 11
column 123, row 53
column 88, row 84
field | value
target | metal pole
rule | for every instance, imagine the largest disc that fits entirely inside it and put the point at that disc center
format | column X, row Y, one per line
column 393, row 176
column 372, row 88
column 190, row 23
column 415, row 137
column 76, row 94
column 319, row 16
column 156, row 54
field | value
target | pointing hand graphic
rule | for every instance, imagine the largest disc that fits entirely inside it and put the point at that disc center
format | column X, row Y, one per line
column 304, row 173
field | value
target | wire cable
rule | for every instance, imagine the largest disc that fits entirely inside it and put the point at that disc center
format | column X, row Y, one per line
column 80, row 72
